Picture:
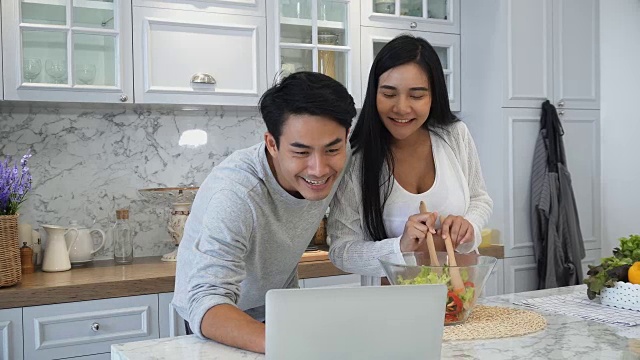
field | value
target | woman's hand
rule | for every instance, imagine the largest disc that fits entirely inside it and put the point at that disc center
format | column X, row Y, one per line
column 415, row 231
column 458, row 229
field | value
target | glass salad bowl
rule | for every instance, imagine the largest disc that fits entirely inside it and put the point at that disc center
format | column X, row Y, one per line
column 470, row 276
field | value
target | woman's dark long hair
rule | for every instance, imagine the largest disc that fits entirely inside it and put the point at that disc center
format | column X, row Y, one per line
column 371, row 138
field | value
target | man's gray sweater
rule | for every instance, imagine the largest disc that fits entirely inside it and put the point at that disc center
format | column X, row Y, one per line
column 244, row 236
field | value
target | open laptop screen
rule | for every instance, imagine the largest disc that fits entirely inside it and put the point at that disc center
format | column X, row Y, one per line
column 384, row 322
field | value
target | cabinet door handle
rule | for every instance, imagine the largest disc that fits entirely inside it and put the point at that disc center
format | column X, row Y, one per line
column 203, row 78
column 95, row 327
column 124, row 97
column 413, row 25
column 561, row 112
column 561, row 103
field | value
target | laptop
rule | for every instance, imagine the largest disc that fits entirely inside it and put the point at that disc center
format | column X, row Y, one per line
column 375, row 322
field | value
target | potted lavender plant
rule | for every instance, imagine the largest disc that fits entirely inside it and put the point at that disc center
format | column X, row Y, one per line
column 15, row 183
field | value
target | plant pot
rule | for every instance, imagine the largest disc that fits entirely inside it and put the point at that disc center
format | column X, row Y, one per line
column 10, row 270
column 623, row 295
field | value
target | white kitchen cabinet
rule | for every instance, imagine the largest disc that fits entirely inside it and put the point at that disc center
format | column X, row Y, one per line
column 506, row 145
column 315, row 35
column 520, row 274
column 528, row 68
column 171, row 324
column 234, row 7
column 540, row 49
column 446, row 45
column 105, row 356
column 433, row 15
column 576, row 54
column 350, row 280
column 495, row 282
column 582, row 146
column 88, row 327
column 189, row 57
column 67, row 51
column 11, row 334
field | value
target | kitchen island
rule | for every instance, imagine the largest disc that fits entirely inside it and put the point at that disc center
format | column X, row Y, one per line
column 565, row 337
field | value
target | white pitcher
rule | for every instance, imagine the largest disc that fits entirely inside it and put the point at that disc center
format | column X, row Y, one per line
column 56, row 254
column 83, row 249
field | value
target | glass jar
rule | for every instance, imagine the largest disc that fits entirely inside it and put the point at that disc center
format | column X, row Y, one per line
column 327, row 59
column 122, row 242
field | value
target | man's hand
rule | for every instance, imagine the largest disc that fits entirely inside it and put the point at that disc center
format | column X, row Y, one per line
column 231, row 326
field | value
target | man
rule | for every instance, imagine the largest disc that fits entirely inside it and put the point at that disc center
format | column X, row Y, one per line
column 257, row 211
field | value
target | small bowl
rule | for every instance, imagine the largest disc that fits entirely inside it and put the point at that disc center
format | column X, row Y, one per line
column 415, row 268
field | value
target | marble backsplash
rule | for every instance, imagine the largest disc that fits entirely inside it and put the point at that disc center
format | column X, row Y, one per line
column 89, row 161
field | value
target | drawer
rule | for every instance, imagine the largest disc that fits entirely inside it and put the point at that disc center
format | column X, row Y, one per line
column 88, row 327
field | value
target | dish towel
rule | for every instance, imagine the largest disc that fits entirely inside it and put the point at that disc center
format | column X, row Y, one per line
column 579, row 305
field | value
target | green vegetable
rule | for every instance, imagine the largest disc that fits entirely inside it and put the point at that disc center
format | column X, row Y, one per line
column 427, row 276
column 615, row 268
column 629, row 248
column 466, row 297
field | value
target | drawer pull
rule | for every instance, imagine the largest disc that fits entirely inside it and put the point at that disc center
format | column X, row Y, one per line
column 95, row 326
column 203, row 78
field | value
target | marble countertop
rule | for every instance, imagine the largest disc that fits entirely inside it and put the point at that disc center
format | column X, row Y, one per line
column 564, row 338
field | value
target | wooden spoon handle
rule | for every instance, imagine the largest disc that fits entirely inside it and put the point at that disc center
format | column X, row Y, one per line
column 430, row 244
column 456, row 278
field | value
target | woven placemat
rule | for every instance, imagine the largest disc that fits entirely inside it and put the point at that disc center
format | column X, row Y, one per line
column 492, row 322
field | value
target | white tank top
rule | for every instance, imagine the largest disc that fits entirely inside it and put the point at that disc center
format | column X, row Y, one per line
column 446, row 195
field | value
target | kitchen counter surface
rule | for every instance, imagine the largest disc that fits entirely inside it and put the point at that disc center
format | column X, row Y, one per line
column 103, row 279
column 564, row 338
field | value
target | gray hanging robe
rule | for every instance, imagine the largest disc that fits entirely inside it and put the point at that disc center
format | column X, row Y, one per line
column 555, row 226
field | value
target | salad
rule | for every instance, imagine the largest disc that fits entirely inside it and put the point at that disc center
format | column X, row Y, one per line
column 458, row 302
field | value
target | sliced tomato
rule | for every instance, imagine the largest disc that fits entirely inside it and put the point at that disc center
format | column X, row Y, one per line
column 454, row 303
column 469, row 284
column 450, row 318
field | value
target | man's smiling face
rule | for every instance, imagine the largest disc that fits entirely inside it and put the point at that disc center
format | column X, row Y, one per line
column 311, row 155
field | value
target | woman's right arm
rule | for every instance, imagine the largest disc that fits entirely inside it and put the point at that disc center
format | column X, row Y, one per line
column 352, row 249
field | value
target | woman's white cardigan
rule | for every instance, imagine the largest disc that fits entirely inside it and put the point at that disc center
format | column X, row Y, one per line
column 352, row 250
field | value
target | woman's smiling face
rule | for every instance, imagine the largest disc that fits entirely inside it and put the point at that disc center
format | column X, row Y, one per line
column 403, row 99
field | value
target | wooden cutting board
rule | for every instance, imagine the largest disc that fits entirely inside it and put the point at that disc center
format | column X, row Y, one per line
column 318, row 255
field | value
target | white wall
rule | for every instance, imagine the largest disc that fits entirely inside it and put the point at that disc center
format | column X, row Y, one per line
column 620, row 119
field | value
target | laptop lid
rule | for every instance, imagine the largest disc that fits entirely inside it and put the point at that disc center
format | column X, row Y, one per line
column 381, row 322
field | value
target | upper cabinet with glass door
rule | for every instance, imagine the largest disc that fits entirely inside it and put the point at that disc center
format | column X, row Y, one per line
column 315, row 35
column 447, row 47
column 67, row 50
column 421, row 15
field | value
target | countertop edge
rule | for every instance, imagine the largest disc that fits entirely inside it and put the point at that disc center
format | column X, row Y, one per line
column 158, row 277
column 11, row 297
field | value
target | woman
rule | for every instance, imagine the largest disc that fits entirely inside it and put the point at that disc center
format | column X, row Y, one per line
column 407, row 147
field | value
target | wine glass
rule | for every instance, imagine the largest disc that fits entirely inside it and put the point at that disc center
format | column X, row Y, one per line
column 31, row 69
column 85, row 73
column 57, row 69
